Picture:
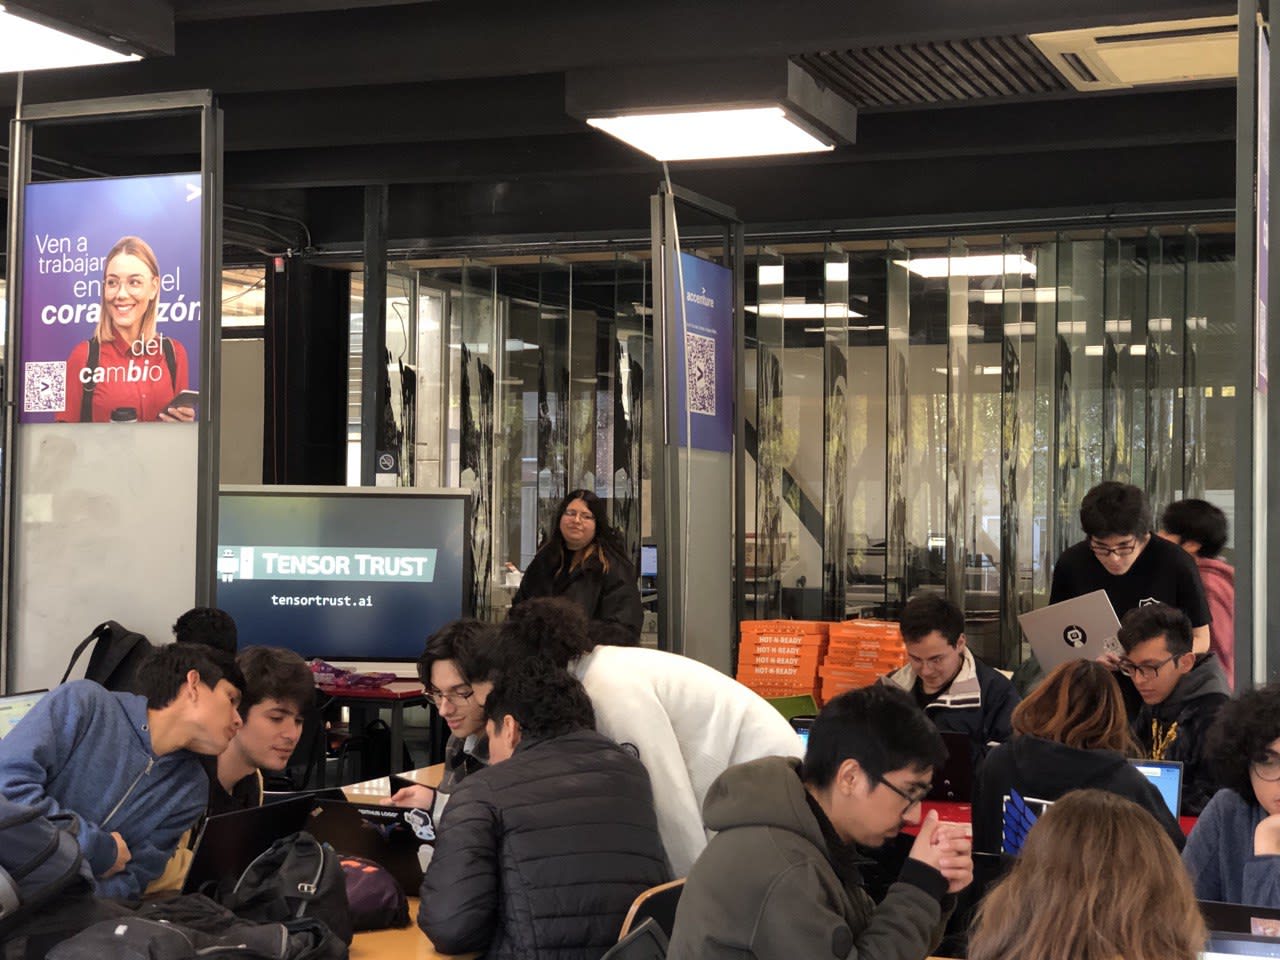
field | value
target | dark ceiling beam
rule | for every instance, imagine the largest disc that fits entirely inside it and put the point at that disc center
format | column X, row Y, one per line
column 191, row 10
column 144, row 26
column 472, row 38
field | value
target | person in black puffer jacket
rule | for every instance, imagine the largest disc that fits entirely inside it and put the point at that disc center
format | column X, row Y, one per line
column 540, row 854
column 584, row 560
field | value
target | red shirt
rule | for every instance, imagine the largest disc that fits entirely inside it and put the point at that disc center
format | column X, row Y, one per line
column 137, row 378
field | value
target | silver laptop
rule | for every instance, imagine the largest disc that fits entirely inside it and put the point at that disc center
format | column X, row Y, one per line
column 15, row 706
column 1233, row 946
column 1082, row 628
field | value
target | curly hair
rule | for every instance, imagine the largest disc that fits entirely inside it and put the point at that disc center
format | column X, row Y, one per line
column 1239, row 737
column 548, row 627
column 544, row 699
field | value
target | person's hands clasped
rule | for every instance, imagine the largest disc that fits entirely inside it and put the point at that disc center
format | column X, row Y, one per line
column 419, row 797
column 947, row 847
column 177, row 415
column 123, row 856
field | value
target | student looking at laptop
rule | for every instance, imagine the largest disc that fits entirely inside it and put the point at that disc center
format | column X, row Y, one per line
column 1071, row 732
column 782, row 876
column 686, row 721
column 127, row 766
column 1097, row 880
column 1233, row 854
column 542, row 852
column 956, row 690
column 1181, row 694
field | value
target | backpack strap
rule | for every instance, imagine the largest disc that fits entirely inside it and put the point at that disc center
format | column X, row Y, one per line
column 170, row 360
column 86, row 395
column 97, row 632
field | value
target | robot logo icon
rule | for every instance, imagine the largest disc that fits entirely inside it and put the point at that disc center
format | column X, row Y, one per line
column 1075, row 636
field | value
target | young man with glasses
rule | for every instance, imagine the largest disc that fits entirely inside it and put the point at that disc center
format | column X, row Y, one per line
column 956, row 690
column 1233, row 854
column 781, row 877
column 457, row 668
column 1120, row 555
column 1181, row 694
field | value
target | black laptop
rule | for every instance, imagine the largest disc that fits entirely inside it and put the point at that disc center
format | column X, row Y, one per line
column 1233, row 918
column 389, row 836
column 953, row 781
column 229, row 842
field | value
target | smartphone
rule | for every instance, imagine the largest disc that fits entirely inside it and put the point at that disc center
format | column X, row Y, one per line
column 186, row 398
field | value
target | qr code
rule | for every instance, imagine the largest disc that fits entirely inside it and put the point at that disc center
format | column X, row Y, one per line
column 700, row 352
column 45, row 387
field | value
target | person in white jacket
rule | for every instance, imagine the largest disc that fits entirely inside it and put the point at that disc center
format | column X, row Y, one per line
column 686, row 721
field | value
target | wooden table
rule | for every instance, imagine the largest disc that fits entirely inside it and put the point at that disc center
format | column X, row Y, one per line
column 379, row 788
column 407, row 944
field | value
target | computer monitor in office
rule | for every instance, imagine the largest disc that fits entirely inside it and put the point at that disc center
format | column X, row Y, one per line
column 16, row 706
column 648, row 561
column 343, row 573
column 1166, row 777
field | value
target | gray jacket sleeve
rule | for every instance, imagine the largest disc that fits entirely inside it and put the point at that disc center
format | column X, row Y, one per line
column 798, row 920
column 460, row 890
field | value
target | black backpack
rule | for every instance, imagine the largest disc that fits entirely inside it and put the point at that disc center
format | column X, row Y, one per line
column 117, row 654
column 297, row 877
column 39, row 859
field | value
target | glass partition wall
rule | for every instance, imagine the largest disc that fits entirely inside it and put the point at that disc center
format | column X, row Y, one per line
column 921, row 414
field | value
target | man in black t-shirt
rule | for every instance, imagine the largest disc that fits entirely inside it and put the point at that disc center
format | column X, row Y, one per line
column 1121, row 556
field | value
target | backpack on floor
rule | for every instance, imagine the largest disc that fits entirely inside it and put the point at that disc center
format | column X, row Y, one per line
column 39, row 859
column 117, row 654
column 296, row 877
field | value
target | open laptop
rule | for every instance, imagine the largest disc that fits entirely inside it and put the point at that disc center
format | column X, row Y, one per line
column 389, row 836
column 802, row 725
column 1082, row 628
column 15, row 706
column 1165, row 776
column 953, row 781
column 1227, row 919
column 1231, row 946
column 229, row 842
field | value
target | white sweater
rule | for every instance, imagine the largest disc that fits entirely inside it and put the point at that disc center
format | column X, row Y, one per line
column 688, row 723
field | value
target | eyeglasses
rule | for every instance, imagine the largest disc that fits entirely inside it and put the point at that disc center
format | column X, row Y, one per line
column 1123, row 550
column 1147, row 671
column 585, row 516
column 456, row 697
column 1268, row 769
column 911, row 798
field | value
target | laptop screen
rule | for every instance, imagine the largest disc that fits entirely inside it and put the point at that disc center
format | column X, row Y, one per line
column 14, row 708
column 1165, row 776
column 1232, row 946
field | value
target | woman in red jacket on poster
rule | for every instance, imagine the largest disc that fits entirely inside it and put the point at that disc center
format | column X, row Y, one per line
column 126, row 371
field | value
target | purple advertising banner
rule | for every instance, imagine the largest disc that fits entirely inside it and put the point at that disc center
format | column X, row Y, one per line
column 111, row 312
column 707, row 345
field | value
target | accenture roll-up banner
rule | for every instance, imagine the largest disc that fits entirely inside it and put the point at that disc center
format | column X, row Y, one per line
column 706, row 353
column 111, row 308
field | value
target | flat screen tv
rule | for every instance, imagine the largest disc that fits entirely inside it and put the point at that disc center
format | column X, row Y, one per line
column 356, row 573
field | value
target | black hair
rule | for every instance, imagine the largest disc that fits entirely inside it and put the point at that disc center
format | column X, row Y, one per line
column 879, row 726
column 610, row 633
column 1197, row 520
column 163, row 673
column 612, row 548
column 273, row 673
column 470, row 644
column 927, row 612
column 1155, row 620
column 549, row 627
column 546, row 700
column 1114, row 509
column 210, row 626
column 1240, row 735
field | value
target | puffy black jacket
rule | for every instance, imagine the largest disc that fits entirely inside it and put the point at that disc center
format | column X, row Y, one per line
column 612, row 596
column 1042, row 769
column 540, row 856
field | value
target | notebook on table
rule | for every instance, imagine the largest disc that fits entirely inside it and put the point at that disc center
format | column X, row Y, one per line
column 15, row 706
column 1165, row 776
column 1082, row 628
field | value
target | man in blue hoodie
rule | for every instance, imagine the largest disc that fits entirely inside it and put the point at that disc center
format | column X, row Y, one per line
column 125, row 765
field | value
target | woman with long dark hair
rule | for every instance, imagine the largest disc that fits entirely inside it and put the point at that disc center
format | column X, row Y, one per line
column 585, row 561
column 1097, row 880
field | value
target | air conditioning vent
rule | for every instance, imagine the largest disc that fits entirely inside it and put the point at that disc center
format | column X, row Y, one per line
column 1116, row 58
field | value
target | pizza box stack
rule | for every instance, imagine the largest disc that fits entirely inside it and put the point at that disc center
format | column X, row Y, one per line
column 859, row 653
column 780, row 658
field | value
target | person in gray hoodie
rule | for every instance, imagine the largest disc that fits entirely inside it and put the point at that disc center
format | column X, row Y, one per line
column 781, row 878
column 1181, row 693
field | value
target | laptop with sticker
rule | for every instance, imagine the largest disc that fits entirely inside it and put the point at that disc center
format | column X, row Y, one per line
column 1082, row 628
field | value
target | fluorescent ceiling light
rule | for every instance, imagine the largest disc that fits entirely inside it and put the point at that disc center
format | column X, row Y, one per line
column 1021, row 328
column 1093, row 349
column 799, row 310
column 769, row 274
column 712, row 134
column 993, row 265
column 27, row 45
column 836, row 271
column 1138, row 350
column 1025, row 295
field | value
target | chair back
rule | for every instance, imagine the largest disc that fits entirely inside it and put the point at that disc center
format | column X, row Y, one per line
column 657, row 904
column 645, row 942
